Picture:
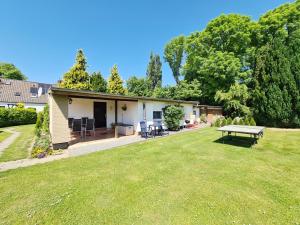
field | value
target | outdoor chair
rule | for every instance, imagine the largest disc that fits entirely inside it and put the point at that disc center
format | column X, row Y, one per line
column 70, row 122
column 76, row 127
column 84, row 121
column 90, row 126
column 145, row 131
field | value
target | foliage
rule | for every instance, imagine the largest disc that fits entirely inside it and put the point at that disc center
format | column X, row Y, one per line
column 229, row 121
column 252, row 122
column 173, row 54
column 77, row 77
column 154, row 72
column 235, row 121
column 20, row 105
column 203, row 118
column 115, row 83
column 97, row 82
column 41, row 147
column 45, row 126
column 235, row 100
column 167, row 92
column 10, row 71
column 172, row 116
column 138, row 86
column 17, row 116
column 39, row 124
column 188, row 90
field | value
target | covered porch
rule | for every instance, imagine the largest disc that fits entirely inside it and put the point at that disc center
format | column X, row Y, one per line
column 71, row 111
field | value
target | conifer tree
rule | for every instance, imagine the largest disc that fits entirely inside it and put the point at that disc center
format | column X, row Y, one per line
column 115, row 83
column 154, row 72
column 77, row 77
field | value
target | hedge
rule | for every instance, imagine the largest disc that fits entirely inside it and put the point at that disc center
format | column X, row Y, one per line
column 17, row 116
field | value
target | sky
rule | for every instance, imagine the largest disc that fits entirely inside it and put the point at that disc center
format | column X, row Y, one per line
column 42, row 37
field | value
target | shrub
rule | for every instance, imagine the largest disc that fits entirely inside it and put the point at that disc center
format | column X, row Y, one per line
column 246, row 121
column 17, row 116
column 241, row 121
column 172, row 116
column 39, row 123
column 223, row 122
column 203, row 118
column 252, row 122
column 217, row 122
column 41, row 147
column 235, row 121
column 45, row 126
column 229, row 121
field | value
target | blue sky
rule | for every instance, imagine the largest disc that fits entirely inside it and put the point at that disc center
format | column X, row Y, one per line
column 41, row 37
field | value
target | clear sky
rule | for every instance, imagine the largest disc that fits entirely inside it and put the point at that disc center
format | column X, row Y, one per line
column 41, row 37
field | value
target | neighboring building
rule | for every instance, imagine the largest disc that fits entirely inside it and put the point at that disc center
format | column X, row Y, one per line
column 211, row 112
column 106, row 109
column 32, row 94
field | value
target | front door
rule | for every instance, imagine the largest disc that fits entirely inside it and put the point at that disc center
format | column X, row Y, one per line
column 100, row 114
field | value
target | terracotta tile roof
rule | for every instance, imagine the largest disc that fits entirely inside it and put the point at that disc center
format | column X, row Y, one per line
column 14, row 91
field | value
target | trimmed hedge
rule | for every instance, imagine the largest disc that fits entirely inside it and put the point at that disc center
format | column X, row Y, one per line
column 17, row 116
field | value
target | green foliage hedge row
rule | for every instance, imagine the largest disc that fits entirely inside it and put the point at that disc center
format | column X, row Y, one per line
column 17, row 116
column 222, row 121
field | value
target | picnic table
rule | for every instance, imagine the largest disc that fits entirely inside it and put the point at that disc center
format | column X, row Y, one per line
column 255, row 131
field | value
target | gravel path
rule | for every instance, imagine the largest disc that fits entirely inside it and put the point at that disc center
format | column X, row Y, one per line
column 82, row 149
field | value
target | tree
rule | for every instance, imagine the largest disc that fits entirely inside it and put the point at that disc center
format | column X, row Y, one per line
column 173, row 54
column 167, row 92
column 217, row 73
column 235, row 100
column 115, row 83
column 188, row 91
column 276, row 95
column 10, row 71
column 97, row 82
column 154, row 72
column 138, row 86
column 77, row 77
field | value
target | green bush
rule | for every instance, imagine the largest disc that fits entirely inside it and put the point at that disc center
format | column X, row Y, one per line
column 39, row 123
column 235, row 121
column 246, row 121
column 252, row 122
column 241, row 121
column 203, row 118
column 223, row 122
column 41, row 147
column 229, row 121
column 172, row 116
column 17, row 116
column 45, row 126
column 217, row 122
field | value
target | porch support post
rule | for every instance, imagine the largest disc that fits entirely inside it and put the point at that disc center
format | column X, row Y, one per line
column 116, row 119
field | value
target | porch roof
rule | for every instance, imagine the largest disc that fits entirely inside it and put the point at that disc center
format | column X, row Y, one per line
column 99, row 95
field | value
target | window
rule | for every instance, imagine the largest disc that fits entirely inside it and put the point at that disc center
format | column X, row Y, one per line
column 17, row 94
column 157, row 115
column 194, row 113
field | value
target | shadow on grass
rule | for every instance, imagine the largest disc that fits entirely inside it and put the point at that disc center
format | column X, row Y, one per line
column 240, row 141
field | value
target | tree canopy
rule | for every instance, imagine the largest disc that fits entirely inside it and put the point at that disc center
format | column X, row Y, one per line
column 138, row 86
column 10, row 71
column 97, row 82
column 154, row 72
column 77, row 77
column 173, row 54
column 115, row 82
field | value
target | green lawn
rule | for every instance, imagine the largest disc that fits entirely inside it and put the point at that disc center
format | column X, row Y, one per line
column 20, row 148
column 189, row 178
column 4, row 134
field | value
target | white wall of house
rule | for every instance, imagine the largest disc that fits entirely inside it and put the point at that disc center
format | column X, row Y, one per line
column 38, row 107
column 81, row 107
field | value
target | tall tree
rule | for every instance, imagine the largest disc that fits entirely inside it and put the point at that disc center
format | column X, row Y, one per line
column 154, row 72
column 10, row 71
column 173, row 54
column 276, row 92
column 190, row 91
column 97, row 82
column 138, row 86
column 77, row 77
column 115, row 83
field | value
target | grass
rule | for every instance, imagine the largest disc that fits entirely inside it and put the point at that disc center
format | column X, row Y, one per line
column 19, row 149
column 190, row 178
column 4, row 134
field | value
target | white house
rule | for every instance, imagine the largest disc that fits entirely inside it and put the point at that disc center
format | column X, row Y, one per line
column 106, row 110
column 32, row 94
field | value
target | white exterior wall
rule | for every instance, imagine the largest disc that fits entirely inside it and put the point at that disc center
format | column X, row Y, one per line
column 38, row 107
column 82, row 107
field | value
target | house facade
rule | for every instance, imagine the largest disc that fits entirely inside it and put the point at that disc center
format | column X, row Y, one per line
column 106, row 109
column 32, row 94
